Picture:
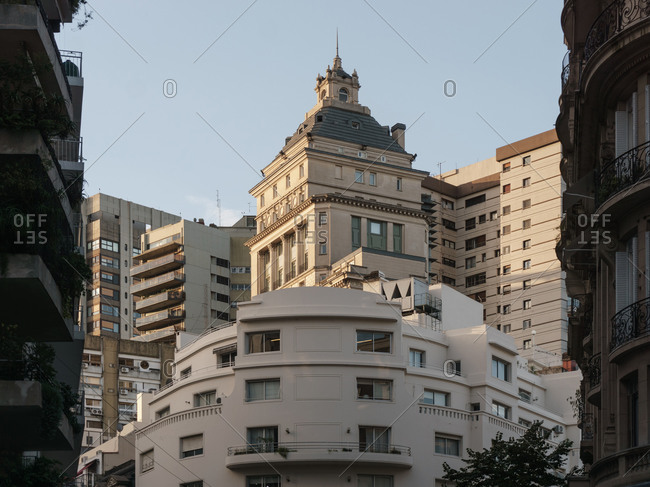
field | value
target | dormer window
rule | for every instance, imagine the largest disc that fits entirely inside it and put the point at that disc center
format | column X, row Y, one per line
column 356, row 125
column 343, row 94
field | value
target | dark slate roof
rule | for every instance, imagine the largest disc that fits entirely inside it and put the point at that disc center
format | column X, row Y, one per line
column 339, row 124
column 342, row 74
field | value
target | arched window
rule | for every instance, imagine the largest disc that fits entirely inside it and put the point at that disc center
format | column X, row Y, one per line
column 343, row 94
column 322, row 95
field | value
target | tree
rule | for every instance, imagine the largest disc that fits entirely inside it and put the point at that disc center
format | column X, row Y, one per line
column 528, row 460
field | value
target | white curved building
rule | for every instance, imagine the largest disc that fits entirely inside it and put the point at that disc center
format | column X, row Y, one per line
column 336, row 387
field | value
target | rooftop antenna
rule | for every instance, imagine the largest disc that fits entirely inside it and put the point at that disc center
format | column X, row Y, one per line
column 337, row 42
column 219, row 206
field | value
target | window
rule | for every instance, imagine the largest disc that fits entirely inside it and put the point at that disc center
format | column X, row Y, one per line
column 338, row 172
column 146, row 461
column 191, row 446
column 448, row 243
column 497, row 253
column 262, row 202
column 527, row 304
column 470, row 262
column 505, row 250
column 287, row 181
column 263, row 439
column 377, row 235
column 526, row 161
column 399, row 184
column 526, row 264
column 448, row 224
column 506, row 230
column 416, row 358
column 506, row 328
column 185, row 373
column 374, row 480
column 196, row 483
column 435, row 398
column 473, row 243
column 500, row 369
column 343, row 94
column 375, row 389
column 525, row 182
column 482, row 218
column 475, row 280
column 355, row 125
column 262, row 390
column 262, row 342
column 448, row 280
column 449, row 262
column 356, row 232
column 525, row 423
column 446, row 204
column 322, row 218
column 506, row 188
column 372, row 179
column 526, row 224
column 374, row 341
column 358, row 176
column 493, row 215
column 507, row 308
column 447, row 445
column 263, row 481
column 398, row 231
column 525, row 204
column 501, row 410
column 223, row 263
column 322, row 249
column 505, row 210
column 275, row 190
column 109, row 245
column 506, row 166
column 526, row 244
column 205, row 398
column 506, row 270
column 301, row 170
column 506, row 289
column 475, row 201
column 374, row 439
column 527, row 344
column 470, row 223
column 525, row 324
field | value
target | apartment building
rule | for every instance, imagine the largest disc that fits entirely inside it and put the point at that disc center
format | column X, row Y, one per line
column 41, row 177
column 114, row 371
column 181, row 280
column 498, row 224
column 370, row 392
column 342, row 192
column 113, row 228
column 604, row 126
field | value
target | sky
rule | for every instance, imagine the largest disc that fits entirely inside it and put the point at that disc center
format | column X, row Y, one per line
column 185, row 102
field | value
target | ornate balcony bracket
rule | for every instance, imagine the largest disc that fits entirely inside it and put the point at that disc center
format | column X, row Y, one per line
column 630, row 323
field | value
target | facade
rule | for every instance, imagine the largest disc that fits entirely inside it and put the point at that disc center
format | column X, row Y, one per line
column 604, row 127
column 114, row 371
column 113, row 228
column 41, row 174
column 181, row 280
column 368, row 392
column 498, row 222
column 342, row 192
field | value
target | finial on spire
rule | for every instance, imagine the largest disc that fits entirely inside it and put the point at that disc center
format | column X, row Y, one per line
column 337, row 42
column 337, row 59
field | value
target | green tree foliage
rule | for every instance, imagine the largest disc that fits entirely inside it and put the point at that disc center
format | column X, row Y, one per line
column 525, row 461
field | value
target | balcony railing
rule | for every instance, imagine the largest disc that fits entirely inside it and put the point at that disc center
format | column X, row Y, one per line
column 161, row 318
column 594, row 370
column 157, row 283
column 160, row 264
column 68, row 149
column 72, row 63
column 624, row 171
column 159, row 301
column 325, row 447
column 630, row 323
column 566, row 70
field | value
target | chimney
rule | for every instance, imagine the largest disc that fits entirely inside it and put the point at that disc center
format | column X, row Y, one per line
column 398, row 134
column 201, row 221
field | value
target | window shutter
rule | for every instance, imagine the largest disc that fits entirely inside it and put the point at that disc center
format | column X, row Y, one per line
column 192, row 443
column 635, row 120
column 647, row 113
column 635, row 269
column 646, row 284
column 621, row 133
column 621, row 281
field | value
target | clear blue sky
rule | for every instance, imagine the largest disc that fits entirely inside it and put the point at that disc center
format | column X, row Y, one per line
column 256, row 82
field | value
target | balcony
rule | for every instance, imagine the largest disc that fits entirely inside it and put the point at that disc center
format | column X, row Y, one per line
column 158, row 249
column 566, row 70
column 180, row 417
column 308, row 453
column 160, row 319
column 628, row 325
column 157, row 266
column 159, row 301
column 152, row 286
column 624, row 172
column 615, row 19
column 592, row 377
column 632, row 463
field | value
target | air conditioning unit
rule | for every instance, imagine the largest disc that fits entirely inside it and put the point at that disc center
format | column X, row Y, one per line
column 96, row 412
column 124, row 370
column 218, row 400
column 124, row 392
column 558, row 430
column 144, row 365
column 85, row 365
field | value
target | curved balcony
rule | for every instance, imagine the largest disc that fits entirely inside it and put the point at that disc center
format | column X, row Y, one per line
column 259, row 455
column 620, row 15
column 624, row 172
column 566, row 70
column 592, row 379
column 632, row 463
column 628, row 325
column 180, row 417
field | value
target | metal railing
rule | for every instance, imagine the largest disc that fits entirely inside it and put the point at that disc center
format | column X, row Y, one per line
column 613, row 20
column 68, row 149
column 630, row 323
column 168, row 277
column 566, row 70
column 325, row 447
column 624, row 171
column 72, row 63
column 594, row 370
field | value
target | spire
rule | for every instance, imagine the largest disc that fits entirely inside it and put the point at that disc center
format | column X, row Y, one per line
column 337, row 60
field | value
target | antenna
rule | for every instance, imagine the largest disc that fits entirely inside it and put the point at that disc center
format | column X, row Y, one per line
column 337, row 42
column 219, row 206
